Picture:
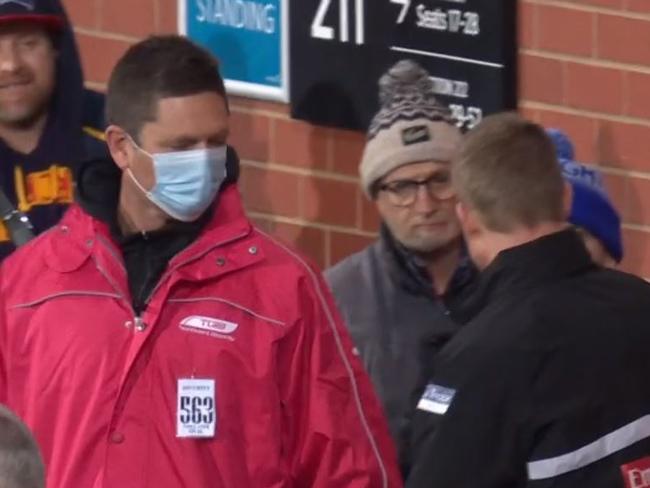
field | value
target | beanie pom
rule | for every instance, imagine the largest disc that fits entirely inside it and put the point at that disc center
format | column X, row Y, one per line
column 406, row 79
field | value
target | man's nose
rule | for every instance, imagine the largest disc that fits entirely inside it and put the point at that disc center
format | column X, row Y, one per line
column 10, row 60
column 424, row 201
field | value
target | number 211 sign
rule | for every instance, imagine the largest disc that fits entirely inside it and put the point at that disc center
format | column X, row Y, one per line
column 340, row 48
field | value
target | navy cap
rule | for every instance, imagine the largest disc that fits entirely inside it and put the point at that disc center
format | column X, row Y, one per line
column 41, row 12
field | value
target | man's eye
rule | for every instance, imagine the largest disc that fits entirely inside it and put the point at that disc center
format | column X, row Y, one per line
column 29, row 42
column 400, row 186
column 441, row 178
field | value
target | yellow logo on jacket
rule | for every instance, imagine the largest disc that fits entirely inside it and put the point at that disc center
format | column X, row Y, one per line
column 51, row 186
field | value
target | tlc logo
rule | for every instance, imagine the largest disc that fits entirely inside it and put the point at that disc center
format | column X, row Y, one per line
column 637, row 474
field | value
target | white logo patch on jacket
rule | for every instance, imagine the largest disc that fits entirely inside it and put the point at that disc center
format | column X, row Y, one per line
column 209, row 326
column 436, row 399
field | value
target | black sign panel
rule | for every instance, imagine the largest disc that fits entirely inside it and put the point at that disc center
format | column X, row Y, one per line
column 340, row 49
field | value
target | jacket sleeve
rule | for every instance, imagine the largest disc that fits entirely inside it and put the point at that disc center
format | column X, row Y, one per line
column 336, row 435
column 3, row 344
column 470, row 428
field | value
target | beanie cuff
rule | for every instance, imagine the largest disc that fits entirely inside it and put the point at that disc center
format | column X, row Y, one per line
column 389, row 150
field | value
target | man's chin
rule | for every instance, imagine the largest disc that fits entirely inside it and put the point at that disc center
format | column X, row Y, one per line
column 429, row 246
column 20, row 118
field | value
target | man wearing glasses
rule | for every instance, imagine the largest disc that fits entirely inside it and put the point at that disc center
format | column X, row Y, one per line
column 397, row 296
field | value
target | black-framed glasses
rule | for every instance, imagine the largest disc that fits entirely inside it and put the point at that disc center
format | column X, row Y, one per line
column 403, row 193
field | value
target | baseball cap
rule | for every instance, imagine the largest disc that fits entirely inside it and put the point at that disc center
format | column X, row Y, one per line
column 42, row 12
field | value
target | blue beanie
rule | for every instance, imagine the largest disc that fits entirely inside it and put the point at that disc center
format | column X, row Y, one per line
column 591, row 208
column 563, row 145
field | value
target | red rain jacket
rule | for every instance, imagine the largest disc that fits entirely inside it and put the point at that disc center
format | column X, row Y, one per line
column 98, row 386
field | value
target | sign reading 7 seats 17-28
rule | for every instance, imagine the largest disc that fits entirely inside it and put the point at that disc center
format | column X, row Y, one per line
column 340, row 48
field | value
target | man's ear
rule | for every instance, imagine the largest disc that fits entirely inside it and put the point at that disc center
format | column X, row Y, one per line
column 467, row 218
column 567, row 201
column 120, row 146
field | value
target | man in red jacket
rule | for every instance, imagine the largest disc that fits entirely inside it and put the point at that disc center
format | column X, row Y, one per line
column 156, row 339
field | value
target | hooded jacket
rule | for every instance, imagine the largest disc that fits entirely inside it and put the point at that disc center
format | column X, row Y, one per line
column 41, row 183
column 112, row 395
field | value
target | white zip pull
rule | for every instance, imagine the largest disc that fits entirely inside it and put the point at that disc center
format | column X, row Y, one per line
column 140, row 325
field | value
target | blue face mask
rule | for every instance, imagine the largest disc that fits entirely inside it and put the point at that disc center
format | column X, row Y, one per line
column 187, row 182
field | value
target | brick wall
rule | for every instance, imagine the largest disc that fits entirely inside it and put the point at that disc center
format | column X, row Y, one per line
column 584, row 67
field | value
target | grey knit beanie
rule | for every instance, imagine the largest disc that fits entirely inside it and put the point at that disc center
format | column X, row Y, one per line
column 411, row 126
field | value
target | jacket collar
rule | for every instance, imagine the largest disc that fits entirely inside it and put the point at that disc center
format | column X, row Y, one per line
column 79, row 233
column 535, row 263
column 407, row 271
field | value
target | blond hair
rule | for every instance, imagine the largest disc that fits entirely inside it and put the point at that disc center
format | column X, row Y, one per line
column 507, row 171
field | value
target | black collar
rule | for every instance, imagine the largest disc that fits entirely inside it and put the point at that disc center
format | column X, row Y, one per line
column 527, row 266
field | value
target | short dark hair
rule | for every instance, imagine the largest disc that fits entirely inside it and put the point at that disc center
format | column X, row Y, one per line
column 155, row 68
column 21, row 465
column 508, row 172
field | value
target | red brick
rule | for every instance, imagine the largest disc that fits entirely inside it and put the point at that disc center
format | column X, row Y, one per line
column 623, row 39
column 299, row 144
column 166, row 16
column 259, row 105
column 347, row 149
column 369, row 219
column 616, row 4
column 639, row 201
column 249, row 134
column 343, row 245
column 638, row 6
column 581, row 130
column 329, row 201
column 624, row 145
column 565, row 30
column 270, row 191
column 595, row 88
column 527, row 28
column 97, row 68
column 636, row 245
column 529, row 113
column 637, row 100
column 617, row 189
column 83, row 13
column 308, row 240
column 541, row 79
column 128, row 17
column 265, row 224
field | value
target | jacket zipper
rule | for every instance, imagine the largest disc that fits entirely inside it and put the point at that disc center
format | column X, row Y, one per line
column 138, row 321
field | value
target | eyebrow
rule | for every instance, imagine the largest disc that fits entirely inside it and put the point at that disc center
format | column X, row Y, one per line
column 418, row 178
column 185, row 140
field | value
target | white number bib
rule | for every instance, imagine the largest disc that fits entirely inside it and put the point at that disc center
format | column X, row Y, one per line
column 196, row 414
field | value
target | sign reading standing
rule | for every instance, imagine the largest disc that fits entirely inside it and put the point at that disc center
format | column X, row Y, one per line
column 249, row 39
column 340, row 48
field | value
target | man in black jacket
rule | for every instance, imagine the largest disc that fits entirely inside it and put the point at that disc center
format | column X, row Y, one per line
column 548, row 384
